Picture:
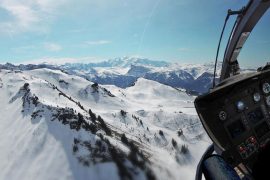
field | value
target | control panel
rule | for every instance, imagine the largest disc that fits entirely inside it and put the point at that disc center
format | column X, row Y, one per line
column 236, row 116
column 248, row 147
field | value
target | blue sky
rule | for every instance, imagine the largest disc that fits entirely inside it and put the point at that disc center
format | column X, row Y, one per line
column 184, row 31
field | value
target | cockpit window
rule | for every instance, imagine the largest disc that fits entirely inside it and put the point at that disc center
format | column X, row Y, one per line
column 256, row 52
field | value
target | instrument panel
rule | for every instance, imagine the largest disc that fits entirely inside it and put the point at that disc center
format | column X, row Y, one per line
column 236, row 116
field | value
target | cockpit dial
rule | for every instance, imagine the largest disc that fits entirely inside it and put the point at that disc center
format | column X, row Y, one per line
column 266, row 88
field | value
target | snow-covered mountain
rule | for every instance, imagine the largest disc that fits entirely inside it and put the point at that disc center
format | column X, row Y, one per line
column 123, row 62
column 123, row 72
column 23, row 67
column 138, row 71
column 59, row 126
column 192, row 77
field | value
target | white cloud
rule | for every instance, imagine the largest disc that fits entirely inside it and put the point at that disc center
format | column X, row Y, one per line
column 27, row 15
column 52, row 47
column 59, row 61
column 48, row 46
column 99, row 42
column 24, row 49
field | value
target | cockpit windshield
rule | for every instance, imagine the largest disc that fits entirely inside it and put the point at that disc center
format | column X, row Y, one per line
column 256, row 52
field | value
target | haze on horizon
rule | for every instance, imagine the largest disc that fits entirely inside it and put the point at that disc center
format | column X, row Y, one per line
column 183, row 31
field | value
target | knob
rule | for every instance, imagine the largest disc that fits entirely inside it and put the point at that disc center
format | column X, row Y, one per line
column 222, row 115
column 240, row 105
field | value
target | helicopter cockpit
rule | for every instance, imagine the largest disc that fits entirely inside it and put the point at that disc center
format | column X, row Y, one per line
column 236, row 112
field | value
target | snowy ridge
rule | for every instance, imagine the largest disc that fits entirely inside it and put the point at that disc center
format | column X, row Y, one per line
column 79, row 129
column 82, row 138
column 123, row 72
column 191, row 77
column 118, row 62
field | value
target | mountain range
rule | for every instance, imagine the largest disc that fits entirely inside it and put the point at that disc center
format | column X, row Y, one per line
column 123, row 72
column 55, row 125
column 121, row 119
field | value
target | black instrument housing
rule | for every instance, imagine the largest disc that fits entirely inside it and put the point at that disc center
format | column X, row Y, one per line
column 244, row 133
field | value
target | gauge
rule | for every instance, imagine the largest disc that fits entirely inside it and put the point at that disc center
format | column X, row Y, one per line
column 222, row 115
column 256, row 97
column 240, row 105
column 266, row 88
column 268, row 100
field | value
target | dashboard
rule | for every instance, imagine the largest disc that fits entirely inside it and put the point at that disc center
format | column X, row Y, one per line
column 236, row 116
